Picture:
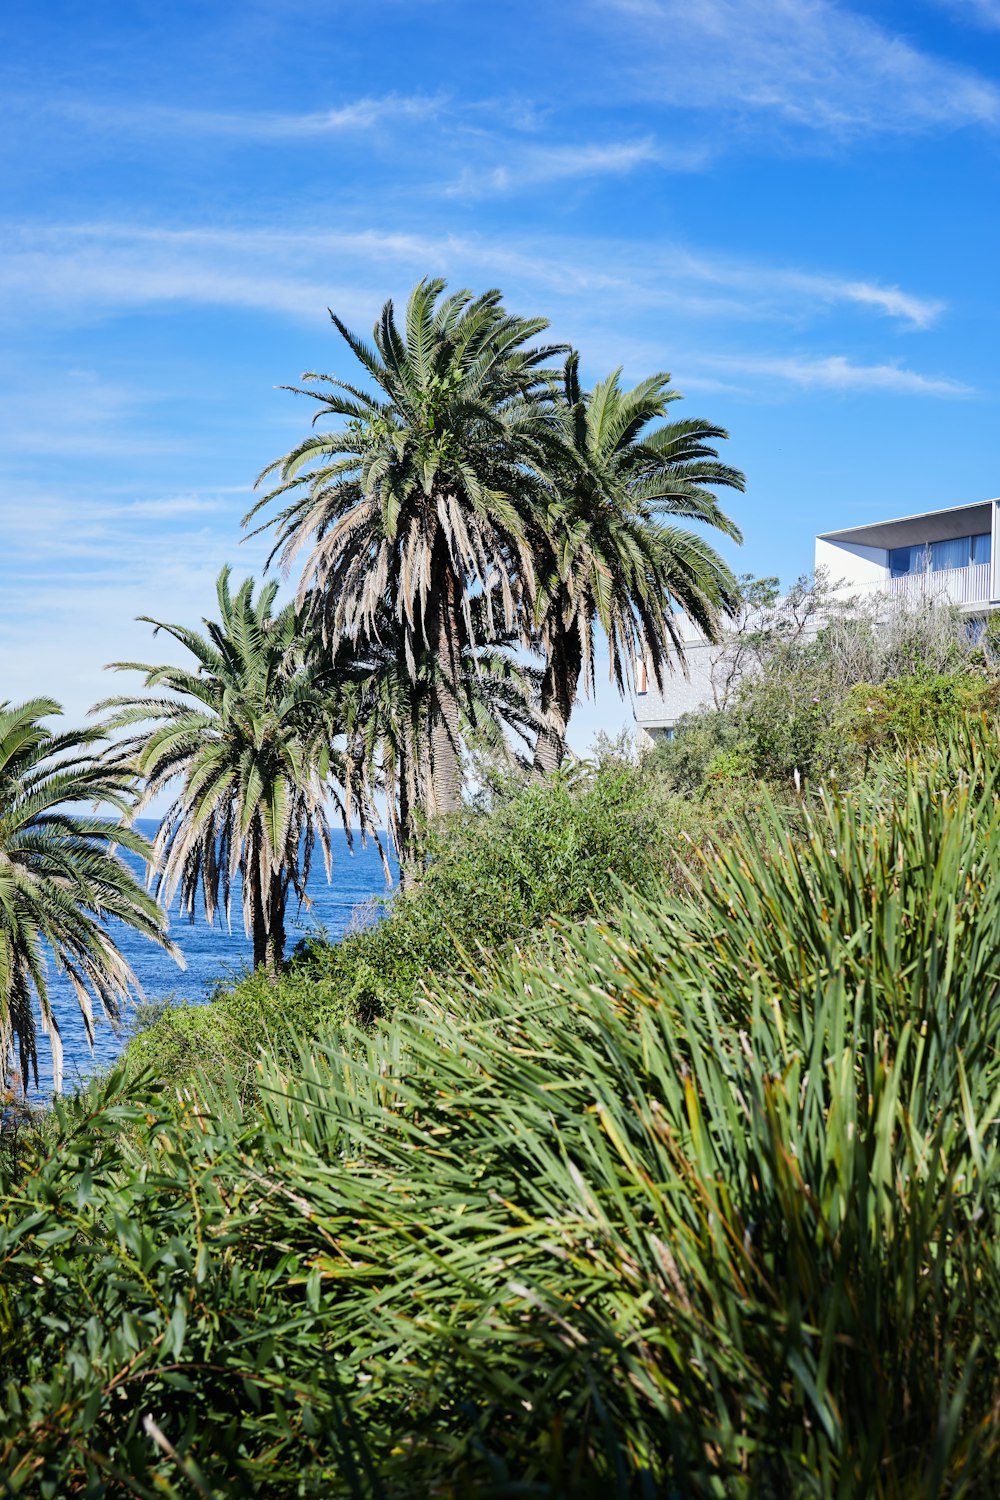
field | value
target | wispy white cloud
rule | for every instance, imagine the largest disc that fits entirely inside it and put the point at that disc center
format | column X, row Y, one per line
column 108, row 268
column 978, row 12
column 903, row 307
column 920, row 312
column 834, row 372
column 252, row 126
column 533, row 166
column 818, row 287
column 812, row 63
column 117, row 266
column 169, row 507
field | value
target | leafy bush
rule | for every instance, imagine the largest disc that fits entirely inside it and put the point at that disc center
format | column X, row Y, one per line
column 700, row 738
column 810, row 688
column 223, row 1036
column 913, row 712
column 549, row 850
column 702, row 1201
column 19, row 1124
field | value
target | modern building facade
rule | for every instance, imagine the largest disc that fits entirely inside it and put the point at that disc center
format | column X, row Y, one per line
column 943, row 554
column 952, row 555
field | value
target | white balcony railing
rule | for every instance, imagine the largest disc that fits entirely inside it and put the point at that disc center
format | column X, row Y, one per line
column 969, row 585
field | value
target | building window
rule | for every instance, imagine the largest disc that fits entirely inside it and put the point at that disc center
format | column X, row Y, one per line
column 905, row 560
column 939, row 557
column 953, row 554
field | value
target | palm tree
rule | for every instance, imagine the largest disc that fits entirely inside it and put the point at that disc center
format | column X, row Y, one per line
column 423, row 493
column 246, row 734
column 604, row 556
column 62, row 881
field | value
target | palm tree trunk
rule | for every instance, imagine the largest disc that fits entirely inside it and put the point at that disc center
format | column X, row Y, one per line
column 276, row 926
column 267, row 920
column 258, row 918
column 560, row 682
column 408, row 801
column 404, row 815
column 446, row 765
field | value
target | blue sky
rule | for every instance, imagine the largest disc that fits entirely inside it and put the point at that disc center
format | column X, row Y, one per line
column 791, row 205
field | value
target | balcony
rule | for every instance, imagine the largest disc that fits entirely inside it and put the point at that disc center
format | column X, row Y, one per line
column 968, row 585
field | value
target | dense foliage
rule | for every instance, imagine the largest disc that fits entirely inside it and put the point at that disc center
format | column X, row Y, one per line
column 645, row 1143
column 700, row 1202
column 558, row 850
column 467, row 520
column 812, row 687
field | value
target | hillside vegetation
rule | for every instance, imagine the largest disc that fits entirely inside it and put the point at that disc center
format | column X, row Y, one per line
column 697, row 1196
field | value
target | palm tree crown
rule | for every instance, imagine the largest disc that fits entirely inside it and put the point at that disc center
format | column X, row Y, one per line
column 606, row 558
column 62, row 881
column 422, row 496
column 246, row 734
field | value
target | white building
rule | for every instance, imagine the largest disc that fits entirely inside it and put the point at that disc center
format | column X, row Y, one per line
column 953, row 555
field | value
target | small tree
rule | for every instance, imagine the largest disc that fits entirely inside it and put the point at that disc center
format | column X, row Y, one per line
column 766, row 622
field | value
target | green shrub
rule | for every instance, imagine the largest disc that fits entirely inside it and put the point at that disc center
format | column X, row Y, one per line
column 922, row 709
column 223, row 1036
column 799, row 716
column 544, row 851
column 683, row 761
column 19, row 1125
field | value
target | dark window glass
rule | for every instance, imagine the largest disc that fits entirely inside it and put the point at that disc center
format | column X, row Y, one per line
column 904, row 560
column 952, row 554
column 981, row 548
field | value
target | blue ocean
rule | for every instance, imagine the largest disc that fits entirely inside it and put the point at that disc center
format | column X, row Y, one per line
column 211, row 953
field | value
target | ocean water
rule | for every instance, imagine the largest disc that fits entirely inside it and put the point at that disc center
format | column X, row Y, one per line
column 211, row 953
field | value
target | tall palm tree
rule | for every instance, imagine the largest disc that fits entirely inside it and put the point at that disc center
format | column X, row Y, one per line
column 242, row 739
column 62, row 881
column 606, row 558
column 423, row 492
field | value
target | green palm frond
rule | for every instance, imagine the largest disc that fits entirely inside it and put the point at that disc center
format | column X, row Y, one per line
column 429, row 486
column 608, row 562
column 62, row 880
